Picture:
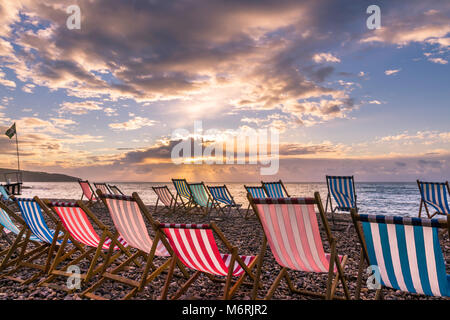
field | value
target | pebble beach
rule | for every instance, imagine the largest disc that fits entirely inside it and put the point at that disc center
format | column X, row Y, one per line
column 246, row 234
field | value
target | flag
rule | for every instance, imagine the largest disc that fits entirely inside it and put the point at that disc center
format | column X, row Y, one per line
column 11, row 131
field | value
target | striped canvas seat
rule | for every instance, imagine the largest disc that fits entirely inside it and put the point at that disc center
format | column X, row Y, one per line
column 128, row 221
column 200, row 194
column 406, row 251
column 435, row 195
column 78, row 225
column 220, row 194
column 182, row 188
column 103, row 187
column 275, row 189
column 341, row 188
column 256, row 192
column 195, row 246
column 292, row 231
column 32, row 214
column 87, row 190
column 10, row 227
column 164, row 195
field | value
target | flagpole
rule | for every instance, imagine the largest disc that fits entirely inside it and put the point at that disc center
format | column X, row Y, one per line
column 17, row 149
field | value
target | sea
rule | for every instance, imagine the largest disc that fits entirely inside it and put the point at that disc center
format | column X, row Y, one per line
column 373, row 198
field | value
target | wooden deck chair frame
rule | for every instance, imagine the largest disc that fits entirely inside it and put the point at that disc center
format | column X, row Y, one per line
column 222, row 206
column 25, row 259
column 333, row 280
column 93, row 199
column 169, row 208
column 364, row 256
column 99, row 185
column 231, row 286
column 264, row 184
column 186, row 205
column 89, row 253
column 20, row 241
column 114, row 187
column 423, row 202
column 329, row 197
column 247, row 213
column 148, row 258
column 210, row 204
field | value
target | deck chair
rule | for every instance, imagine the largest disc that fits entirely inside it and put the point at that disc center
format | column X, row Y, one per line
column 201, row 197
column 115, row 190
column 183, row 194
column 166, row 198
column 255, row 192
column 21, row 231
column 196, row 247
column 342, row 190
column 103, row 187
column 291, row 228
column 88, row 192
column 435, row 195
column 223, row 198
column 127, row 214
column 77, row 227
column 275, row 189
column 406, row 251
column 51, row 239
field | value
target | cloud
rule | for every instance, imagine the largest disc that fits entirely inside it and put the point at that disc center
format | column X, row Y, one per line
column 28, row 88
column 391, row 72
column 79, row 108
column 325, row 57
column 5, row 82
column 438, row 60
column 133, row 124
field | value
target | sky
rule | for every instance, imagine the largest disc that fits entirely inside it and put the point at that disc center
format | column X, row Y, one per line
column 102, row 102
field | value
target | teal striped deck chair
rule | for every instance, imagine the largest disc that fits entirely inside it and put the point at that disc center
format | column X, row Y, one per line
column 223, row 199
column 22, row 233
column 201, row 197
column 32, row 214
column 255, row 192
column 405, row 252
column 434, row 195
column 183, row 195
column 275, row 189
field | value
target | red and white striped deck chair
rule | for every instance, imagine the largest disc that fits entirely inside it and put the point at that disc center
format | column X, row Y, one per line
column 88, row 192
column 165, row 197
column 127, row 214
column 77, row 227
column 103, row 187
column 292, row 231
column 195, row 246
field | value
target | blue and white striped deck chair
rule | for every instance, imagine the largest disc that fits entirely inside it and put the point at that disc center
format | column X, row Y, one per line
column 435, row 195
column 255, row 192
column 8, row 227
column 405, row 252
column 223, row 198
column 31, row 213
column 201, row 197
column 275, row 189
column 183, row 194
column 342, row 190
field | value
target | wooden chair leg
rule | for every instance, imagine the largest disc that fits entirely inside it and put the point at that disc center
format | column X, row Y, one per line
column 186, row 285
column 359, row 279
column 275, row 284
